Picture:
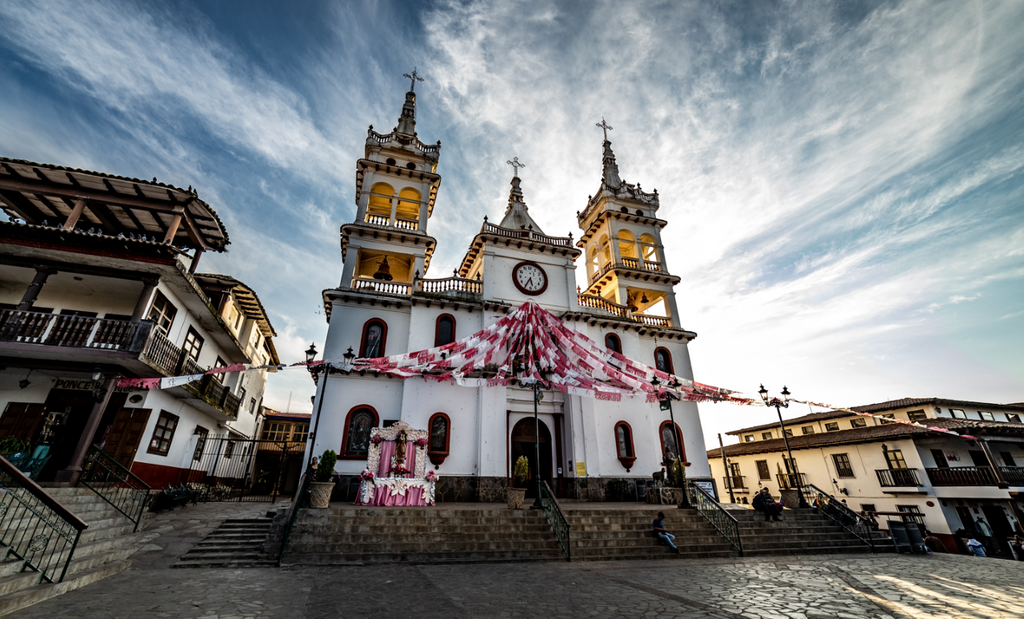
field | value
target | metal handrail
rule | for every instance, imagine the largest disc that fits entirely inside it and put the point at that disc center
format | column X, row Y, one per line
column 299, row 501
column 714, row 513
column 842, row 515
column 556, row 518
column 115, row 484
column 34, row 526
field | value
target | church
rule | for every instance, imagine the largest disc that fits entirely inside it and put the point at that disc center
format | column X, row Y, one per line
column 385, row 305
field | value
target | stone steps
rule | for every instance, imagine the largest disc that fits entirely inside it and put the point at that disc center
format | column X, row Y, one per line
column 235, row 543
column 103, row 549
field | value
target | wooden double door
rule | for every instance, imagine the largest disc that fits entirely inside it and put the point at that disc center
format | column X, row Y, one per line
column 124, row 434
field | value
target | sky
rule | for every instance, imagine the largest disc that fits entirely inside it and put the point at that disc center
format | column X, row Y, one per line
column 843, row 181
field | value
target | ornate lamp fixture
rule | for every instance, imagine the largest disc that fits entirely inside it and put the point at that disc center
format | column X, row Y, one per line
column 779, row 405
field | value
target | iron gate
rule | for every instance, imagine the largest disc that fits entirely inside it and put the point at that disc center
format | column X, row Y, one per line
column 232, row 469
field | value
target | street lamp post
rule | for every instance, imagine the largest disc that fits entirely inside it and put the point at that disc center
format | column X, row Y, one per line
column 310, row 356
column 666, row 403
column 779, row 405
column 537, row 503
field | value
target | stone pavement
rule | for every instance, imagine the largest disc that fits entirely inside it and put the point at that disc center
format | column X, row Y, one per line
column 785, row 587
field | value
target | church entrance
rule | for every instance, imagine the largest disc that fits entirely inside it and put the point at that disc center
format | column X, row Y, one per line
column 523, row 444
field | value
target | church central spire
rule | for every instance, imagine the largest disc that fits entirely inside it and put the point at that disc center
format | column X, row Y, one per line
column 611, row 169
column 517, row 216
column 407, row 121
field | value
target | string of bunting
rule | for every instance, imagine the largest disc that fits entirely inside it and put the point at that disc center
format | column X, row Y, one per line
column 530, row 344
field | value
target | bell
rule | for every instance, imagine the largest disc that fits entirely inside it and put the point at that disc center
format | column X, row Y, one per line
column 383, row 271
column 643, row 298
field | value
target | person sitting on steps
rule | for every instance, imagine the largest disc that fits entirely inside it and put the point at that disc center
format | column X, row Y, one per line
column 662, row 532
column 763, row 501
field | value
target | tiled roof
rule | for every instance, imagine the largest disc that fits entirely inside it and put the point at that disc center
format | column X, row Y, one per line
column 795, row 421
column 871, row 434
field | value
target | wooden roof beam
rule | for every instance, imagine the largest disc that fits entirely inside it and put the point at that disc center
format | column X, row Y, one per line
column 54, row 189
column 22, row 206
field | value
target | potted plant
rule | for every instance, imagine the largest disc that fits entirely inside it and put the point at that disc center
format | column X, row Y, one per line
column 322, row 486
column 517, row 493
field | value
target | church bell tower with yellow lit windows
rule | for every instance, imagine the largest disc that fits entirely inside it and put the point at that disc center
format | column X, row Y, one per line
column 625, row 256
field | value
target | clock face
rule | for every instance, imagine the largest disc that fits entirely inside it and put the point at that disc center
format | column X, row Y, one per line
column 529, row 278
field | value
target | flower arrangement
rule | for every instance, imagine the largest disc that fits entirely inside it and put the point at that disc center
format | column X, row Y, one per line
column 431, row 476
column 366, row 475
column 421, row 442
column 400, row 469
column 376, row 440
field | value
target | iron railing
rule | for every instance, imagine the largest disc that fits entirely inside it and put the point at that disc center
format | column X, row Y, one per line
column 244, row 470
column 962, row 476
column 714, row 513
column 556, row 518
column 1014, row 475
column 300, row 500
column 891, row 478
column 115, row 484
column 34, row 527
column 841, row 514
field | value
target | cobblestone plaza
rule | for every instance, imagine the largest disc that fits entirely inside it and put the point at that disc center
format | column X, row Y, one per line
column 797, row 587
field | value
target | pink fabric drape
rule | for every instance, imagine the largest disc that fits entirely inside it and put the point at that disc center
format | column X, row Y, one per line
column 387, row 449
column 410, row 459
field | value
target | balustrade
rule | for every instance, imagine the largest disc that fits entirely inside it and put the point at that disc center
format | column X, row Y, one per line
column 381, row 287
column 450, row 284
column 890, row 478
column 654, row 321
column 600, row 303
column 490, row 228
column 962, row 476
column 69, row 331
column 161, row 353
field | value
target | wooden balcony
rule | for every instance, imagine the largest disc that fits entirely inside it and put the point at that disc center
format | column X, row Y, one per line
column 963, row 476
column 1014, row 475
column 170, row 360
column 213, row 392
column 898, row 478
column 70, row 332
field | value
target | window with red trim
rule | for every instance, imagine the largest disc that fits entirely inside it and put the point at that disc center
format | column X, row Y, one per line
column 375, row 337
column 663, row 360
column 358, row 423
column 444, row 330
column 624, row 444
column 611, row 342
column 440, row 428
column 668, row 442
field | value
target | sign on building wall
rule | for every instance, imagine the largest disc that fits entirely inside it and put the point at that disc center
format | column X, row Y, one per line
column 581, row 469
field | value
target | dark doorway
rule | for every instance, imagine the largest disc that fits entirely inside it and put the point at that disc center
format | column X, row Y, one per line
column 940, row 459
column 523, row 444
column 978, row 457
column 124, row 433
column 22, row 421
column 1001, row 529
column 74, row 408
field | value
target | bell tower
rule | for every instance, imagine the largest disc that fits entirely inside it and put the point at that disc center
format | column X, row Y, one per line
column 396, row 186
column 625, row 256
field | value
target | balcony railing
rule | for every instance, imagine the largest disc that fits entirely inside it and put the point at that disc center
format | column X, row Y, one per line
column 73, row 331
column 902, row 478
column 737, row 482
column 654, row 321
column 788, row 481
column 628, row 263
column 1014, row 475
column 459, row 285
column 210, row 389
column 161, row 353
column 962, row 476
column 385, row 221
column 529, row 235
column 600, row 303
column 381, row 287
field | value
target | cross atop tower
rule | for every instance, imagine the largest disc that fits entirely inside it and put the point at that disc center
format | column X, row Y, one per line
column 415, row 78
column 514, row 162
column 601, row 124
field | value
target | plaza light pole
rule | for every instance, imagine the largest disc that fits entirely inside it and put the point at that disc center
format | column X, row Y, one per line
column 310, row 356
column 537, row 503
column 666, row 403
column 779, row 405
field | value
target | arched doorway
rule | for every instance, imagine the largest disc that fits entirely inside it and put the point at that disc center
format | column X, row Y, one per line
column 523, row 445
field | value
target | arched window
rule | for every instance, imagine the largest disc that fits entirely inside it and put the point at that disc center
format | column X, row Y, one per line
column 668, row 442
column 408, row 205
column 440, row 427
column 356, row 444
column 627, row 245
column 611, row 342
column 624, row 444
column 663, row 360
column 593, row 266
column 444, row 330
column 649, row 247
column 375, row 336
column 606, row 250
column 380, row 200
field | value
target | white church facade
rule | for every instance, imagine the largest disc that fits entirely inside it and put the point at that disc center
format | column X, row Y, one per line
column 385, row 304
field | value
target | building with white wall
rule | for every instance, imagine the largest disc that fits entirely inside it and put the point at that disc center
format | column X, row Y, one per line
column 98, row 276
column 386, row 305
column 890, row 468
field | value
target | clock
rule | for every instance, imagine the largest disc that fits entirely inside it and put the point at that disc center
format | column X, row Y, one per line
column 529, row 278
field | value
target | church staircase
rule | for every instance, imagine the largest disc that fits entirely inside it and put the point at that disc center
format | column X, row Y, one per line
column 598, row 532
column 103, row 550
column 237, row 542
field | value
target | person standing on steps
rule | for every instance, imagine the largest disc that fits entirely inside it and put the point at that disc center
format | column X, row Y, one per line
column 764, row 502
column 986, row 535
column 662, row 532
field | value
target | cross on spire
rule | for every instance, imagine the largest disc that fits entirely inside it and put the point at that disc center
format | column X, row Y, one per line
column 514, row 162
column 603, row 125
column 415, row 77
